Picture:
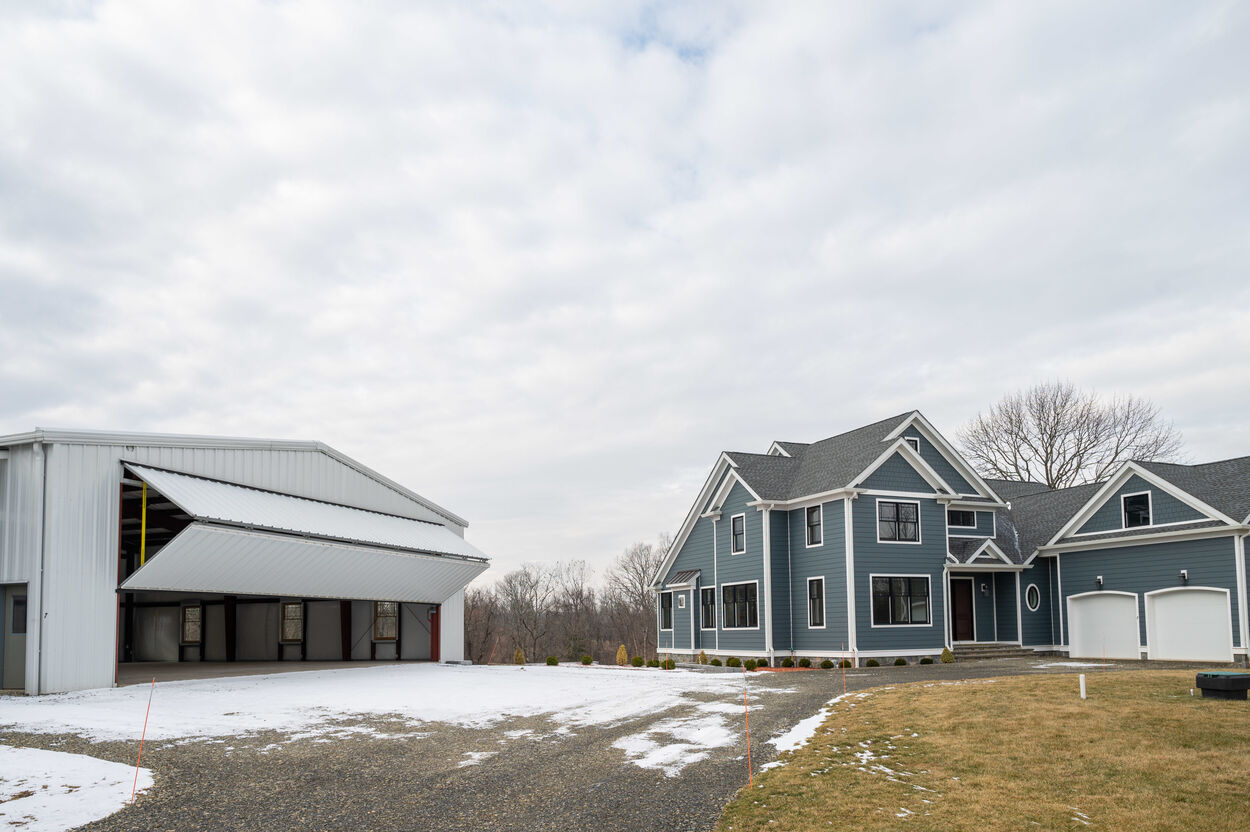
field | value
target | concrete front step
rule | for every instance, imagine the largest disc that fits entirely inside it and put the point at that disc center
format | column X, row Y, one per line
column 991, row 651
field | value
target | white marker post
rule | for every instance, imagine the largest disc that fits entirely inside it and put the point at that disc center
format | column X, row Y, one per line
column 1082, row 685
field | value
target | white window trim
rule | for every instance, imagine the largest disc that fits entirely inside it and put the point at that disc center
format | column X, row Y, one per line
column 1033, row 607
column 914, row 441
column 681, row 601
column 820, row 510
column 974, row 520
column 1150, row 507
column 877, row 626
column 669, row 628
column 720, row 592
column 824, row 603
column 702, row 623
column 919, row 532
column 743, row 550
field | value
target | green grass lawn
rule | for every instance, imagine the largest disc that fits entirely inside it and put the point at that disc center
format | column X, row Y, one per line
column 1017, row 753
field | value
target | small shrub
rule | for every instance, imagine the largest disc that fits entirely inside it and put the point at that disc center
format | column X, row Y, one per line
column 872, row 663
column 636, row 661
column 805, row 662
column 750, row 664
column 587, row 660
column 734, row 661
column 926, row 660
column 519, row 656
column 826, row 664
column 787, row 662
column 622, row 656
column 900, row 662
column 844, row 663
column 761, row 662
column 715, row 662
column 702, row 659
column 668, row 664
column 653, row 663
column 552, row 661
column 947, row 656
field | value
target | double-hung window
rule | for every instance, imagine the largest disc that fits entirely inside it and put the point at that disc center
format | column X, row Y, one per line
column 741, row 608
column 666, row 610
column 960, row 519
column 385, row 620
column 192, row 630
column 900, row 599
column 815, row 602
column 814, row 533
column 738, row 533
column 292, row 621
column 1136, row 509
column 707, row 608
column 898, row 522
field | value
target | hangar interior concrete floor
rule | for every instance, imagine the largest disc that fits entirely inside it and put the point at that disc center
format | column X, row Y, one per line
column 142, row 673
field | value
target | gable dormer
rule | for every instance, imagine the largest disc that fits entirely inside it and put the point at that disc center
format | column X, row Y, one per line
column 1138, row 504
column 940, row 455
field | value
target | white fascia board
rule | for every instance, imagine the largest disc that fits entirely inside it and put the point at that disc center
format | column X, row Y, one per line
column 983, row 567
column 1112, row 485
column 914, row 459
column 1143, row 539
column 812, row 499
column 776, row 446
column 993, row 549
column 972, row 504
column 947, row 450
column 723, row 462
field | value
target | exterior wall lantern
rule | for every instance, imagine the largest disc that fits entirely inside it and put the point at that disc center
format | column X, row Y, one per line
column 1098, row 581
column 1184, row 576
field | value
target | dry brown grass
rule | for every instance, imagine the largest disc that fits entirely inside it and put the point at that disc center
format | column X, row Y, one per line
column 1019, row 753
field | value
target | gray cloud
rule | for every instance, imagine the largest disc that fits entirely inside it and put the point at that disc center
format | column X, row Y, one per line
column 543, row 263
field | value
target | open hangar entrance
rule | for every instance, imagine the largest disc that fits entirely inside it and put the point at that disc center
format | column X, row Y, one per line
column 210, row 571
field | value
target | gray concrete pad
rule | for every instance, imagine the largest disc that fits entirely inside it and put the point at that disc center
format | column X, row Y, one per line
column 142, row 673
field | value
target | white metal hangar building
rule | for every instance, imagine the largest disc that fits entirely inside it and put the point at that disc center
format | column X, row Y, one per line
column 119, row 548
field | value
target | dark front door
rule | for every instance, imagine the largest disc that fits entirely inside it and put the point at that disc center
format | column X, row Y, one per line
column 961, row 610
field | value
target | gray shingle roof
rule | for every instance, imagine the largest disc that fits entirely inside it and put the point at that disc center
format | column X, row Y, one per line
column 1011, row 489
column 1034, row 518
column 1224, row 485
column 962, row 547
column 821, row 466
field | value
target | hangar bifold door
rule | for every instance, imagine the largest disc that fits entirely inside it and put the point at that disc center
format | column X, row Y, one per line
column 1103, row 625
column 1190, row 624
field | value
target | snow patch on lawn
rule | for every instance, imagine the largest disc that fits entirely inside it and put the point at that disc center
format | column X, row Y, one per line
column 801, row 734
column 476, row 757
column 696, row 737
column 319, row 702
column 54, row 790
column 1072, row 664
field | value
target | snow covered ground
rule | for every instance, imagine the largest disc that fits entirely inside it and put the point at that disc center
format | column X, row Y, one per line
column 312, row 702
column 53, row 790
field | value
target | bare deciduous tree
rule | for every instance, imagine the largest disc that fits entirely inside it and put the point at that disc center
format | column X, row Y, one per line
column 1055, row 434
column 483, row 624
column 632, row 603
column 527, row 595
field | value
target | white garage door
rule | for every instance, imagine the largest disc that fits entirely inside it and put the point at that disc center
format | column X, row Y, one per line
column 1103, row 625
column 1189, row 624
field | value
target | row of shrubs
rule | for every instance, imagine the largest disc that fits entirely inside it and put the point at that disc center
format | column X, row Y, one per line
column 622, row 658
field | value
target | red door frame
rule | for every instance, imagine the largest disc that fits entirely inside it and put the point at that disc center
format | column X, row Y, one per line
column 434, row 633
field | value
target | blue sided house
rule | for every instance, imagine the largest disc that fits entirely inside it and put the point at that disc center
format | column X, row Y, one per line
column 883, row 542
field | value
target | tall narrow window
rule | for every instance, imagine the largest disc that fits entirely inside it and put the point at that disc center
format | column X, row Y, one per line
column 815, row 602
column 738, row 530
column 1136, row 509
column 385, row 620
column 707, row 611
column 191, row 625
column 293, row 621
column 814, row 534
column 666, row 610
column 898, row 522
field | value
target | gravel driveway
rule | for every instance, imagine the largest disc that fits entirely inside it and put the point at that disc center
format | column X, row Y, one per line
column 525, row 773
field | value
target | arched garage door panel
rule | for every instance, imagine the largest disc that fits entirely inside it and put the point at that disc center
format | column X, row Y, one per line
column 1103, row 624
column 1189, row 624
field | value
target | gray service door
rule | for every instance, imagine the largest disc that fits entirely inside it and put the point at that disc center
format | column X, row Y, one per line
column 14, row 653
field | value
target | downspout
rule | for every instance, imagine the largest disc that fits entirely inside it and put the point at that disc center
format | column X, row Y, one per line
column 790, row 570
column 768, row 585
column 946, row 605
column 716, row 605
column 42, row 464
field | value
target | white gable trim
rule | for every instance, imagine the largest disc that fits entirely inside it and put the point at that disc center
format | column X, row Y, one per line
column 899, row 446
column 1140, row 539
column 723, row 463
column 1112, row 485
column 992, row 548
column 945, row 448
column 775, row 449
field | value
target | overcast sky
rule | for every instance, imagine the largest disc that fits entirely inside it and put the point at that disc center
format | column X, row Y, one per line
column 542, row 262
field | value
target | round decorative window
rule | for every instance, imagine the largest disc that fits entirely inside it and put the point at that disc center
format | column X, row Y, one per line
column 1033, row 597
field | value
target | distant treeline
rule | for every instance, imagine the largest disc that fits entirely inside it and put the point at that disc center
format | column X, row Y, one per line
column 555, row 610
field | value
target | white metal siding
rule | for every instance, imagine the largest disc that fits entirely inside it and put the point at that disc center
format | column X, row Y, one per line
column 451, row 629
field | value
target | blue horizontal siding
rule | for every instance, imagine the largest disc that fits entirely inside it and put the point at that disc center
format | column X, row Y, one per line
column 1164, row 507
column 1039, row 625
column 897, row 474
column 827, row 560
column 930, row 454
